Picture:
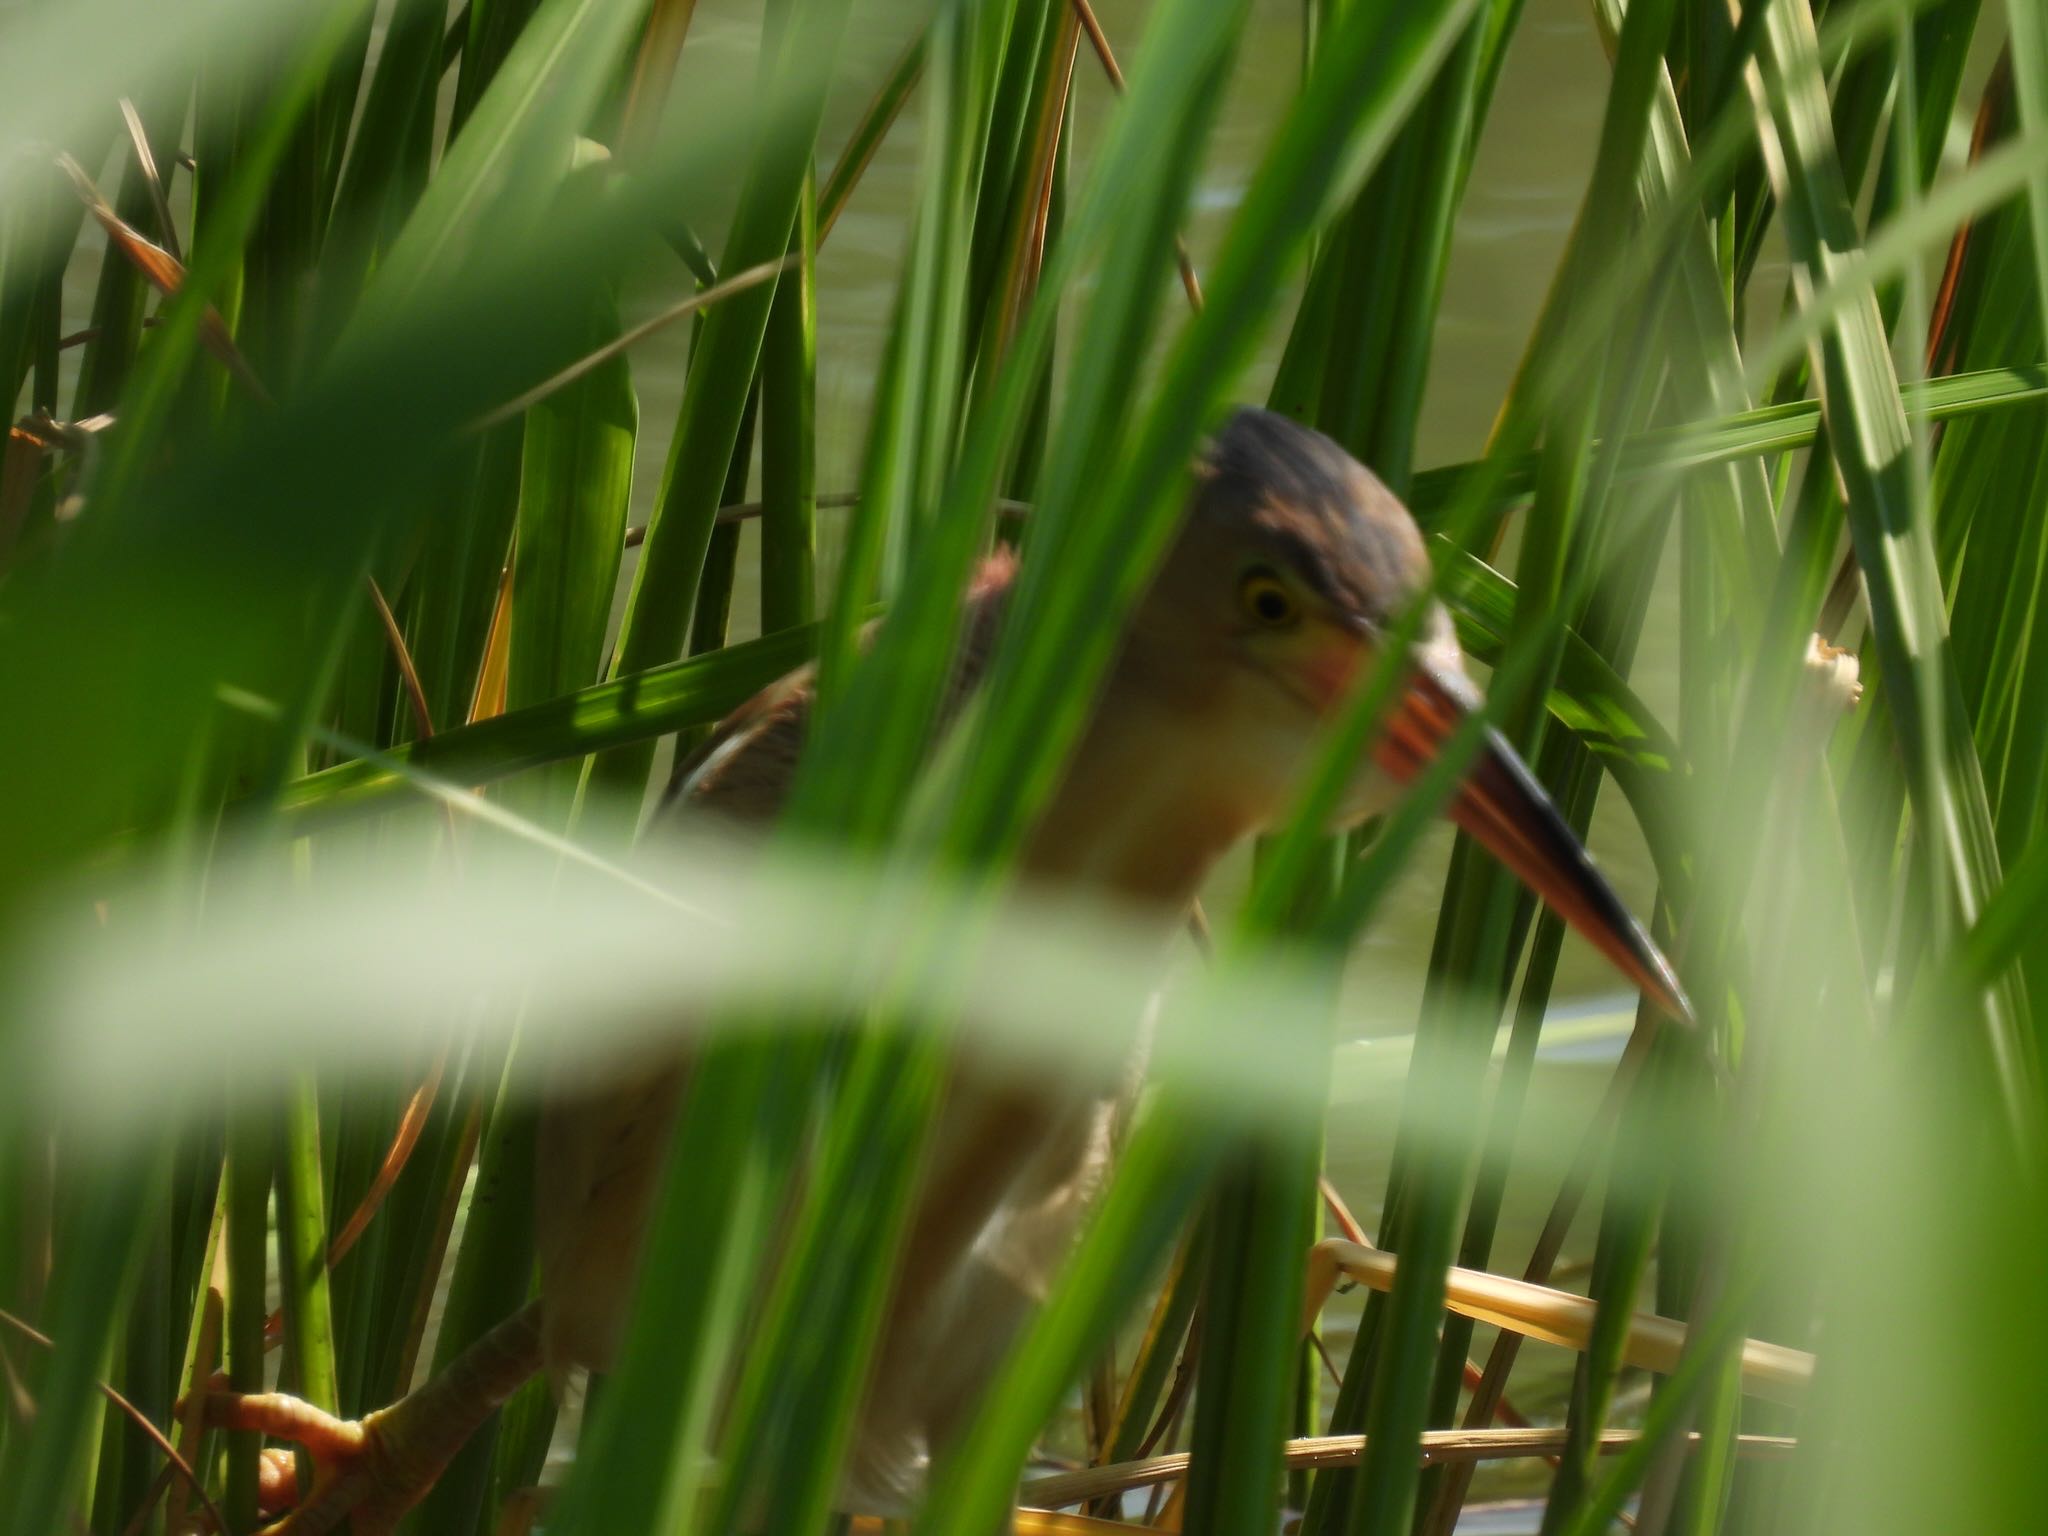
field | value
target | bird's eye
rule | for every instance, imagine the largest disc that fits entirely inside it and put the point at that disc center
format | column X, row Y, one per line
column 1266, row 600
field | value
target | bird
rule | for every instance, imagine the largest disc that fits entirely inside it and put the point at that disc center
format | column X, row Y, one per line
column 1291, row 564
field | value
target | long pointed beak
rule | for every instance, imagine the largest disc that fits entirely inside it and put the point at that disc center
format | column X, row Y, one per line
column 1505, row 809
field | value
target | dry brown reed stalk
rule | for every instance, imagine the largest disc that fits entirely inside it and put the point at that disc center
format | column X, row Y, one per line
column 1099, row 40
column 1654, row 1343
column 1439, row 1446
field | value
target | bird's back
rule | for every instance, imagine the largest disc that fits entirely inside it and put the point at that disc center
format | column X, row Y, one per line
column 744, row 770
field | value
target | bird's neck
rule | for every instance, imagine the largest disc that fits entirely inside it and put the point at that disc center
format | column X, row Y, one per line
column 1137, row 815
column 1142, row 812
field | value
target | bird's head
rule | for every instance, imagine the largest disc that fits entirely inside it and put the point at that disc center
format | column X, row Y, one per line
column 1292, row 564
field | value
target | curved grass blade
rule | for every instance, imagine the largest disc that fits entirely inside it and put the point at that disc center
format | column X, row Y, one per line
column 867, row 137
column 302, row 1252
column 1764, row 429
column 1365, row 80
column 1891, row 530
column 699, row 691
column 94, row 1265
column 540, row 97
column 722, row 365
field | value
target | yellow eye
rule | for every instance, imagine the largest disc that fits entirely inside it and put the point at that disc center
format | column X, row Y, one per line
column 1266, row 600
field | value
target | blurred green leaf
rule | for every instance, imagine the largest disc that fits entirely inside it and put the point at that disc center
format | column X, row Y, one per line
column 663, row 699
column 575, row 483
column 1894, row 545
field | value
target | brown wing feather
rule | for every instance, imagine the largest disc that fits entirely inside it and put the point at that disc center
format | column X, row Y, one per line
column 601, row 1147
column 744, row 768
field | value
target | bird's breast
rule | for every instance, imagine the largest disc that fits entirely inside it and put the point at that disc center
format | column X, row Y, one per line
column 1146, row 807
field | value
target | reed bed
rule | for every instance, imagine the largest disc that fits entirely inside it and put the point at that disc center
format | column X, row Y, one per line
column 339, row 658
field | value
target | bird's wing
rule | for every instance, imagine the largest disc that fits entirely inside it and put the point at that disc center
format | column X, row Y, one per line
column 602, row 1145
column 599, row 1152
column 744, row 768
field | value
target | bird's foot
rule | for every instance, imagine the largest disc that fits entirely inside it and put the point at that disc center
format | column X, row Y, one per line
column 366, row 1473
column 522, row 1510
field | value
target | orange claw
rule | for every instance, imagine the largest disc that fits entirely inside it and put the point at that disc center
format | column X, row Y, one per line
column 356, row 1477
column 277, row 1480
column 368, row 1472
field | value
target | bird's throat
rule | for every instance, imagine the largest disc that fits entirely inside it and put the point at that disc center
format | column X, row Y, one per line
column 1137, row 815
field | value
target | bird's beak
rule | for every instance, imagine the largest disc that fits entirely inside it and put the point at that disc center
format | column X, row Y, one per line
column 1501, row 804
